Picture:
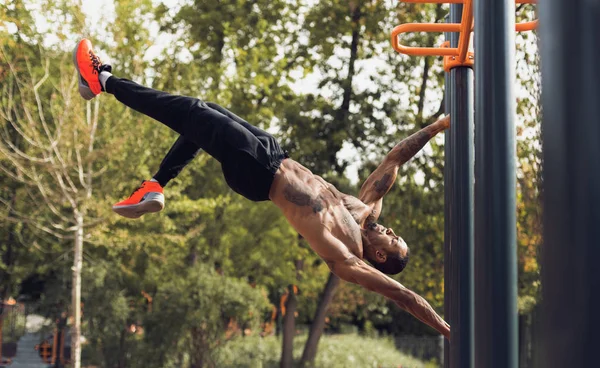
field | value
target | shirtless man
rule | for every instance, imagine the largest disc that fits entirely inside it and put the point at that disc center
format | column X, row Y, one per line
column 340, row 228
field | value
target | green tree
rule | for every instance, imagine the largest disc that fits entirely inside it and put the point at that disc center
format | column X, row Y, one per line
column 194, row 311
column 57, row 163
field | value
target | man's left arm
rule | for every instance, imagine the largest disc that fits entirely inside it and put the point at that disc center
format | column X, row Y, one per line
column 357, row 271
column 381, row 180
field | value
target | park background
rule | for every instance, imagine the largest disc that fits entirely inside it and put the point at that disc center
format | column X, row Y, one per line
column 214, row 279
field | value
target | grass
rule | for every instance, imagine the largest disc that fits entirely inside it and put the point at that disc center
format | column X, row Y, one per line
column 348, row 350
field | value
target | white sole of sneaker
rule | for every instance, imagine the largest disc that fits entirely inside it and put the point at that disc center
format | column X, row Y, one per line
column 153, row 202
column 84, row 90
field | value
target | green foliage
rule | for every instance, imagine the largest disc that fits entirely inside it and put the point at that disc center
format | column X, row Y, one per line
column 529, row 174
column 107, row 312
column 193, row 310
column 13, row 325
column 334, row 351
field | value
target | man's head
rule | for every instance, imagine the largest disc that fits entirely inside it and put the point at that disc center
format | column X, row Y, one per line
column 386, row 251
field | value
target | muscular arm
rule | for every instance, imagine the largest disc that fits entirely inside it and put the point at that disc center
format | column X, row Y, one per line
column 381, row 180
column 356, row 271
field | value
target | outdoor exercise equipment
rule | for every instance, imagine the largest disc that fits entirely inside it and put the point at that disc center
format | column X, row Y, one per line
column 480, row 218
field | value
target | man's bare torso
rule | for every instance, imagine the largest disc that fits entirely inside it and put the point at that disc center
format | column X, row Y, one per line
column 317, row 210
column 335, row 224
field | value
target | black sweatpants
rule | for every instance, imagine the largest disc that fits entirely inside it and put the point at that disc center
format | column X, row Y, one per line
column 249, row 156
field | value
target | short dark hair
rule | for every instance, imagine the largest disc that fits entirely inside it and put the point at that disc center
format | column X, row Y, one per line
column 394, row 263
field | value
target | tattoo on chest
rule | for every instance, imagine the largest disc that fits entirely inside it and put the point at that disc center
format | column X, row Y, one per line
column 347, row 219
column 383, row 184
column 300, row 198
column 351, row 227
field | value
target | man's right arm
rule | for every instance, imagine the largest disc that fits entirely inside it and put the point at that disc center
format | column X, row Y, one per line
column 381, row 180
column 357, row 271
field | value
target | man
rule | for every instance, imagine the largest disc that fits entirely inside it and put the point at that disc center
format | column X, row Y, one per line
column 340, row 228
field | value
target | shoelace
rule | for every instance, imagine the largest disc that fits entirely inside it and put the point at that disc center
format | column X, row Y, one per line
column 138, row 189
column 96, row 63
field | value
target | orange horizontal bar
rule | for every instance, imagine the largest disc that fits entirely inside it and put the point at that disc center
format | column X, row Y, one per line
column 459, row 1
column 440, row 1
column 424, row 27
column 527, row 26
column 427, row 27
column 427, row 51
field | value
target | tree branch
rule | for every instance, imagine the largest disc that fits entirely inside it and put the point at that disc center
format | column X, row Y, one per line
column 422, row 91
column 36, row 225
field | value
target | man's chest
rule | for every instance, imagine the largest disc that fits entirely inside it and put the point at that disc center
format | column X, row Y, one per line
column 343, row 221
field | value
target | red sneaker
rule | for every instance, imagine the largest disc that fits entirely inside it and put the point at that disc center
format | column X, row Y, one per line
column 89, row 66
column 147, row 198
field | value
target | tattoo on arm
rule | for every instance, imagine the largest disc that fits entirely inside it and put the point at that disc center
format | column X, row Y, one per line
column 418, row 307
column 383, row 185
column 300, row 198
column 410, row 146
column 401, row 153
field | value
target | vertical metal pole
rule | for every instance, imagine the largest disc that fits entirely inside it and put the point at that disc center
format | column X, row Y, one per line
column 495, row 186
column 461, row 209
column 570, row 35
column 447, row 213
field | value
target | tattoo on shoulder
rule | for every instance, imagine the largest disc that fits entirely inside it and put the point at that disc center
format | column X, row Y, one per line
column 383, row 184
column 300, row 198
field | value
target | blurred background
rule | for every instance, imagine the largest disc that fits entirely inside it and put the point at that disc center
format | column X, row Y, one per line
column 216, row 280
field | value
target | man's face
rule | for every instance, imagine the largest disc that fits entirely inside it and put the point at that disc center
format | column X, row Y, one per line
column 384, row 239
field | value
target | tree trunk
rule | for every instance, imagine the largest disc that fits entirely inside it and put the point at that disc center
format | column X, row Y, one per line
column 525, row 340
column 122, row 350
column 1, row 325
column 76, row 295
column 423, row 89
column 289, row 329
column 200, row 355
column 289, row 321
column 316, row 328
column 6, row 276
column 318, row 323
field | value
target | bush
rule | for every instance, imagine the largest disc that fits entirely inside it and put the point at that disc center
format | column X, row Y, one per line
column 14, row 326
column 334, row 351
column 198, row 312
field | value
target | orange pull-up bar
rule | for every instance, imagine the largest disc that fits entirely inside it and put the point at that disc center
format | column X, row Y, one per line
column 453, row 56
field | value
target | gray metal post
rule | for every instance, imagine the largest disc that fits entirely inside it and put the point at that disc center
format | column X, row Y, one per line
column 447, row 214
column 461, row 235
column 570, row 49
column 495, row 186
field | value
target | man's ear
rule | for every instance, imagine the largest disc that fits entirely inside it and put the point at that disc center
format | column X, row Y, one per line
column 381, row 257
